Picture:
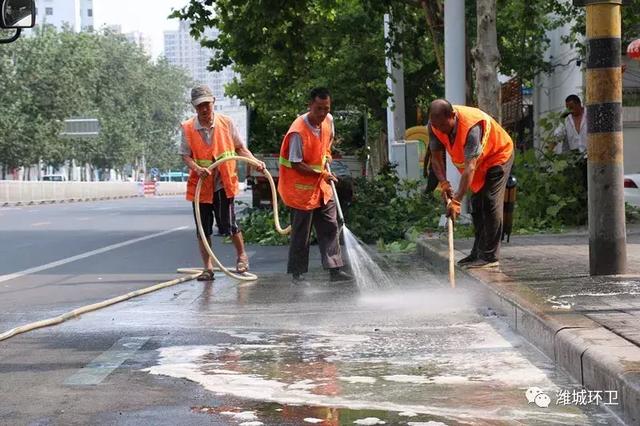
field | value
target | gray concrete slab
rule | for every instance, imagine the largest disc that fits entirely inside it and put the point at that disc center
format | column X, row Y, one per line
column 588, row 325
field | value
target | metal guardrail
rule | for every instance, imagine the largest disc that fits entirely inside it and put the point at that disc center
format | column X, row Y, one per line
column 29, row 192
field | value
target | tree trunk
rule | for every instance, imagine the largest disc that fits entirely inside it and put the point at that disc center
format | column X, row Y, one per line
column 378, row 154
column 487, row 58
column 433, row 13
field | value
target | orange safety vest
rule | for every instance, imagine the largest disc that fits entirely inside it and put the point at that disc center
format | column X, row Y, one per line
column 306, row 192
column 222, row 146
column 497, row 146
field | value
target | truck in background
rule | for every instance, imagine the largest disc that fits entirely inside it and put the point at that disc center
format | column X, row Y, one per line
column 346, row 168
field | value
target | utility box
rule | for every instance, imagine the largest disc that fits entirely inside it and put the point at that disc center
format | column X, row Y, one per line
column 406, row 156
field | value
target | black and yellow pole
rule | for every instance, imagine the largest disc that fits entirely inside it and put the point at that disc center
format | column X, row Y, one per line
column 607, row 233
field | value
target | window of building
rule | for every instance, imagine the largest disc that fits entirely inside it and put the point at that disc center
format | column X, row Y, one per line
column 48, row 11
column 89, row 13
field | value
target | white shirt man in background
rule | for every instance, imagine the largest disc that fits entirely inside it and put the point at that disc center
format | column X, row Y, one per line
column 572, row 135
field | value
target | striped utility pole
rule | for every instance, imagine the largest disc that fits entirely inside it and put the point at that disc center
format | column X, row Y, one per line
column 607, row 233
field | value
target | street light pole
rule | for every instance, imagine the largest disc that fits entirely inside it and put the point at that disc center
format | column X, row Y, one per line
column 607, row 230
column 455, row 66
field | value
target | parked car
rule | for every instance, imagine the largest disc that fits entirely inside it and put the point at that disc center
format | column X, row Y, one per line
column 54, row 178
column 632, row 189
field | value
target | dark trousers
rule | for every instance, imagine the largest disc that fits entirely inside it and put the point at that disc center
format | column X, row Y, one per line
column 325, row 221
column 487, row 207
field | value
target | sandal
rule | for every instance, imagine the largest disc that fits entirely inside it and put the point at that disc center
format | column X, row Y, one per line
column 242, row 264
column 206, row 275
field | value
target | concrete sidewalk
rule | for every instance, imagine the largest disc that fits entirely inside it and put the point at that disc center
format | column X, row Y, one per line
column 589, row 325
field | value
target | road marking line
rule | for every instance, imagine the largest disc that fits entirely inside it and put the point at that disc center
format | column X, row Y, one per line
column 85, row 255
column 98, row 369
column 41, row 223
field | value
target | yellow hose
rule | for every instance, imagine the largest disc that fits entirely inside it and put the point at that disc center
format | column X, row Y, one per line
column 276, row 218
column 89, row 308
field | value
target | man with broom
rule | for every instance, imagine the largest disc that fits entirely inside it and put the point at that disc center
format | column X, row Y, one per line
column 483, row 153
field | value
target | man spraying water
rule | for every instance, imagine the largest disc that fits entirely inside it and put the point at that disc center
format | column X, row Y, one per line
column 304, row 185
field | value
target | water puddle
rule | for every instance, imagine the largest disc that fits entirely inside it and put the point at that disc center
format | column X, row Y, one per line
column 455, row 373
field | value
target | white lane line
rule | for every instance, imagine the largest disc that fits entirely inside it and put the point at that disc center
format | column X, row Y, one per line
column 41, row 223
column 98, row 369
column 85, row 255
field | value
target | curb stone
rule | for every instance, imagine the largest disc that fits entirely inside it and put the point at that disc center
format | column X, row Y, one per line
column 594, row 356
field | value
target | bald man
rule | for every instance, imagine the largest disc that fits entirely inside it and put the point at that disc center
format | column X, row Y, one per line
column 483, row 153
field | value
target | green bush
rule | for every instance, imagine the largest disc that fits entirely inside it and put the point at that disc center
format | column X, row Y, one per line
column 632, row 213
column 258, row 227
column 551, row 192
column 385, row 208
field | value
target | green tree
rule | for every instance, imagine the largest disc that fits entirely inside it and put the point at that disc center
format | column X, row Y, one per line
column 55, row 75
column 282, row 49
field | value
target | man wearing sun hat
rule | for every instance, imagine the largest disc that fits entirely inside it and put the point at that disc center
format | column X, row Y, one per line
column 206, row 138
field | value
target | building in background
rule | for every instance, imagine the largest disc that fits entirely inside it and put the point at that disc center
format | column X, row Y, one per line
column 75, row 14
column 142, row 40
column 568, row 77
column 180, row 49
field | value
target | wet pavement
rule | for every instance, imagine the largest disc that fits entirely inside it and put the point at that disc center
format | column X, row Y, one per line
column 248, row 354
column 271, row 353
column 556, row 269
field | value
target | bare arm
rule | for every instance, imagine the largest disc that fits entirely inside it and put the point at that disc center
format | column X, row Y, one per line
column 201, row 171
column 305, row 169
column 437, row 162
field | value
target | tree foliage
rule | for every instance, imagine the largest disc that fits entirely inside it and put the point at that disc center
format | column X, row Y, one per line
column 54, row 75
column 282, row 49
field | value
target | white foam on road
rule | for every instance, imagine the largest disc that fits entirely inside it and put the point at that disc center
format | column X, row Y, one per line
column 369, row 421
column 358, row 379
column 195, row 364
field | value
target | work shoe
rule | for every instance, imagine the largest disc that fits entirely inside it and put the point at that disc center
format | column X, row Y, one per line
column 466, row 260
column 482, row 264
column 336, row 275
column 299, row 280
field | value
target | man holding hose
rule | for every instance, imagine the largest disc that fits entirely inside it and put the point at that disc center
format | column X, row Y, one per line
column 304, row 185
column 483, row 152
column 206, row 138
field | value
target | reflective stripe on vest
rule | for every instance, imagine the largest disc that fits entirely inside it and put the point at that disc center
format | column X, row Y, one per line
column 222, row 146
column 316, row 167
column 496, row 144
column 298, row 190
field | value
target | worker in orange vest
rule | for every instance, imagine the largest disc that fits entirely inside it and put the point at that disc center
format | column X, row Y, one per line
column 304, row 185
column 206, row 138
column 483, row 152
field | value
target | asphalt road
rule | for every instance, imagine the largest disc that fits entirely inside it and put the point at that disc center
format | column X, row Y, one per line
column 245, row 354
